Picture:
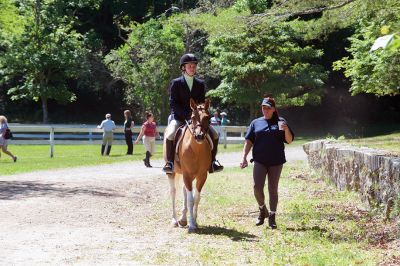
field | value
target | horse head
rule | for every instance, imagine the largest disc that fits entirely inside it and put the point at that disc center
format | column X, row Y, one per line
column 200, row 119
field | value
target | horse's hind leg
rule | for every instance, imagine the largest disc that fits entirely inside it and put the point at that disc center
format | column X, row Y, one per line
column 171, row 179
column 183, row 220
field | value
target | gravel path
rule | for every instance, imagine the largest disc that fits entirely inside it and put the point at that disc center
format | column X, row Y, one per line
column 89, row 215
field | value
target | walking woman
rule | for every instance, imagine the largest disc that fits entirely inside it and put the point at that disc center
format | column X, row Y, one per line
column 149, row 133
column 267, row 135
column 3, row 140
column 128, row 124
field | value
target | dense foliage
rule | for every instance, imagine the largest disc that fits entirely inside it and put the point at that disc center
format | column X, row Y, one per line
column 266, row 60
column 147, row 62
column 94, row 50
column 376, row 72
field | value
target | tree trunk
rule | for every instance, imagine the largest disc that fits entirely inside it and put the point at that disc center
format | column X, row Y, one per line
column 45, row 111
column 252, row 113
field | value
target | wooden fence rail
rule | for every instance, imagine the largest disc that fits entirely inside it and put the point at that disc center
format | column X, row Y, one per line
column 90, row 134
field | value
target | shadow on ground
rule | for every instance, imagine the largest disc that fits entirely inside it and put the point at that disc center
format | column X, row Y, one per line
column 233, row 234
column 10, row 190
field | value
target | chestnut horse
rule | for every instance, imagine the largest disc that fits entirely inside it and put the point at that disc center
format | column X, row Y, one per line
column 194, row 153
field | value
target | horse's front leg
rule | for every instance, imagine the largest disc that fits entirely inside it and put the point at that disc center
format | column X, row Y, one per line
column 183, row 220
column 190, row 202
column 200, row 181
column 171, row 179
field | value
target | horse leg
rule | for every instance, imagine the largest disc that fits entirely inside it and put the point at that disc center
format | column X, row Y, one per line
column 199, row 185
column 196, row 204
column 190, row 202
column 171, row 179
column 183, row 220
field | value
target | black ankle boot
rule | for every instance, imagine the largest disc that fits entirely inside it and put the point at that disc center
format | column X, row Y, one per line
column 102, row 149
column 108, row 150
column 262, row 216
column 271, row 221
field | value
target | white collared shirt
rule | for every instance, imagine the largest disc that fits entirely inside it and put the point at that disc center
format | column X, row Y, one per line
column 189, row 81
column 108, row 125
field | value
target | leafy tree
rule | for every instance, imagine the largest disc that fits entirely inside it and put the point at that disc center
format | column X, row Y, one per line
column 10, row 21
column 376, row 72
column 266, row 59
column 258, row 6
column 147, row 63
column 47, row 55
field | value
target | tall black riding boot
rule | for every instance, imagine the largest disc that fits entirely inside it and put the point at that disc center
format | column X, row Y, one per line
column 147, row 159
column 102, row 149
column 215, row 165
column 169, row 166
column 108, row 150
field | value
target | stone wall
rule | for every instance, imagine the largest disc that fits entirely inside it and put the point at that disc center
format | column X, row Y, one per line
column 373, row 173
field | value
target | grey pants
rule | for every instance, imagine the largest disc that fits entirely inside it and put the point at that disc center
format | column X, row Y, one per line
column 175, row 124
column 260, row 173
column 108, row 138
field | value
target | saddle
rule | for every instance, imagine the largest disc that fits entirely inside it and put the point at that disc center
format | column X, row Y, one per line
column 178, row 139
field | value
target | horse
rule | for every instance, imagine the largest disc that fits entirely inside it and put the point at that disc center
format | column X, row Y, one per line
column 192, row 163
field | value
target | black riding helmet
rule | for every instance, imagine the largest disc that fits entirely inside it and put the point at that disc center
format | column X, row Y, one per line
column 187, row 58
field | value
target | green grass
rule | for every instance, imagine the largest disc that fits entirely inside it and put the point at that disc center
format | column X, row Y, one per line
column 317, row 224
column 36, row 157
column 389, row 142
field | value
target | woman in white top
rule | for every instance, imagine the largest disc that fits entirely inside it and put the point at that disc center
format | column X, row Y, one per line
column 3, row 141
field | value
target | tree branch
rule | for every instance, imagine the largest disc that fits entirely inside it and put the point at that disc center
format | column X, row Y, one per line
column 304, row 12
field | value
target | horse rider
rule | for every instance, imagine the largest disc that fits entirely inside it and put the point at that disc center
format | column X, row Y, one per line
column 181, row 90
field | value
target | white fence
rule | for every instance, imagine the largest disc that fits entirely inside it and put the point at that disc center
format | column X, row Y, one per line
column 90, row 134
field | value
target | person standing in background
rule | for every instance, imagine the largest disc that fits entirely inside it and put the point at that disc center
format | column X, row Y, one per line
column 128, row 124
column 108, row 126
column 149, row 133
column 3, row 140
column 215, row 120
column 224, row 120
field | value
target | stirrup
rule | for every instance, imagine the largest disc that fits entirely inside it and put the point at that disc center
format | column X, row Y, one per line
column 168, row 168
column 215, row 167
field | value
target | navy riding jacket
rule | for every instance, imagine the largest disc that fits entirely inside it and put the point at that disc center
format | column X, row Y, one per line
column 180, row 94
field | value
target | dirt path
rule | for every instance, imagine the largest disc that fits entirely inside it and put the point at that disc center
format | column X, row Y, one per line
column 109, row 214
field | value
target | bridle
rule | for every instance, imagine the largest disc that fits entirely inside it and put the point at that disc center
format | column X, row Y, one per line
column 193, row 126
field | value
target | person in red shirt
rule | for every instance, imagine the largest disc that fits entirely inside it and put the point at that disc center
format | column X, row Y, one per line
column 148, row 132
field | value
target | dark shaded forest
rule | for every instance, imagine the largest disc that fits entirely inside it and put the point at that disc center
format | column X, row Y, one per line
column 74, row 61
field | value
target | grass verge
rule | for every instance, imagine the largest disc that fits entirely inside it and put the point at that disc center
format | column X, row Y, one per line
column 36, row 157
column 389, row 142
column 317, row 225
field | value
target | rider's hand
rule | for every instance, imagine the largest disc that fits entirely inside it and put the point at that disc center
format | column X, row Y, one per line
column 244, row 164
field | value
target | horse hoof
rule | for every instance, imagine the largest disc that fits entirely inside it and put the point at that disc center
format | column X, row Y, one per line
column 174, row 223
column 192, row 229
column 182, row 223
